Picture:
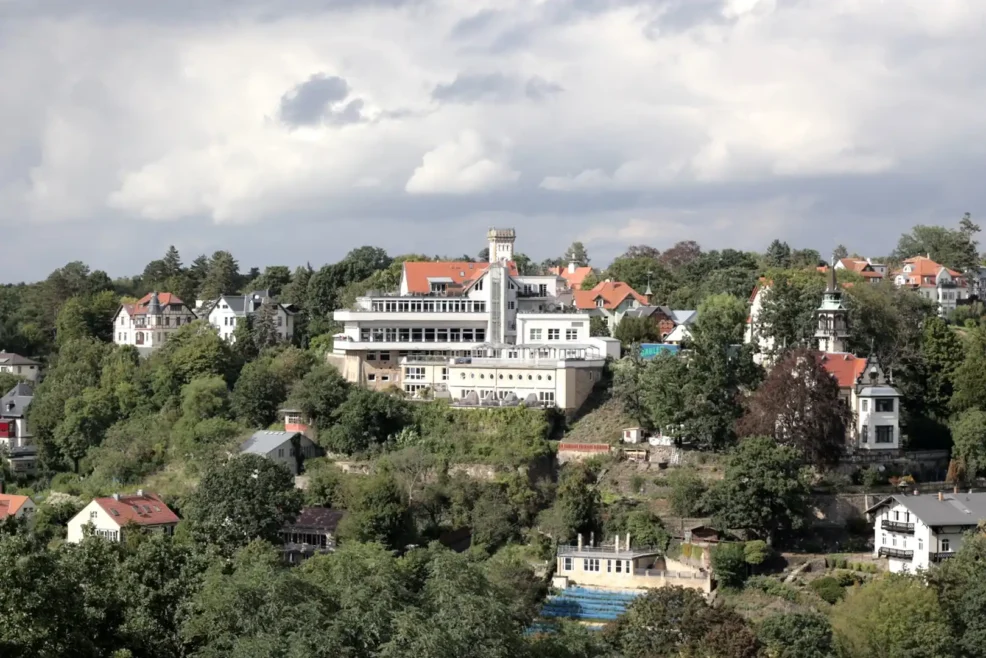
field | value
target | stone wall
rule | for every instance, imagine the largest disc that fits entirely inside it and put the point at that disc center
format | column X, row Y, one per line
column 838, row 509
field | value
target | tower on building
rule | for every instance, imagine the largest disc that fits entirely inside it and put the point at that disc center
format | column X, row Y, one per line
column 501, row 244
column 832, row 329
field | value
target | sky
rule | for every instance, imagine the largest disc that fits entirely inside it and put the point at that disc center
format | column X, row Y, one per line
column 291, row 131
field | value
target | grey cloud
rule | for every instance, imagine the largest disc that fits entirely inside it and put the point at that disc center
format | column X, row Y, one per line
column 307, row 103
column 493, row 88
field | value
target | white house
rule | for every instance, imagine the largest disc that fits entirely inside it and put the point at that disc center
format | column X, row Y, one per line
column 916, row 532
column 21, row 366
column 18, row 507
column 108, row 517
column 16, row 440
column 757, row 333
column 147, row 323
column 934, row 282
column 287, row 448
column 433, row 333
column 228, row 311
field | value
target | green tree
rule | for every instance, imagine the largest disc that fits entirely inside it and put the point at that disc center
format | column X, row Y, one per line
column 577, row 254
column 246, row 498
column 969, row 381
column 598, row 327
column 258, row 394
column 729, row 564
column 889, row 616
column 954, row 248
column 941, row 352
column 86, row 420
column 778, row 254
column 687, row 492
column 645, row 527
column 296, row 292
column 72, row 322
column 764, row 490
column 797, row 635
column 577, row 508
column 376, row 511
column 969, row 438
column 632, row 330
column 365, row 419
column 274, row 280
column 960, row 585
column 840, row 252
column 221, row 276
column 672, row 621
column 205, row 397
column 265, row 326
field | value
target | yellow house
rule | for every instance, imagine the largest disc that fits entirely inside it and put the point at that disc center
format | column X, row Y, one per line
column 618, row 566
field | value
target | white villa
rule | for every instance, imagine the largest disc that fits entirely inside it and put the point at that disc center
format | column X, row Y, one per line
column 228, row 311
column 108, row 517
column 478, row 333
column 147, row 323
column 915, row 532
column 874, row 401
column 935, row 282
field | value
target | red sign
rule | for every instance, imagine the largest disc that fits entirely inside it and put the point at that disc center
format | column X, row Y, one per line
column 4, row 429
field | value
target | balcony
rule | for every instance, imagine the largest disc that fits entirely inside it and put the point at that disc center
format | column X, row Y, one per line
column 897, row 526
column 896, row 553
column 940, row 557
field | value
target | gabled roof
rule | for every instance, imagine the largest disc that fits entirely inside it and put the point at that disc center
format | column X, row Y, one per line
column 11, row 359
column 678, row 317
column 921, row 267
column 962, row 509
column 15, row 403
column 11, row 504
column 846, row 368
column 140, row 306
column 262, row 442
column 324, row 519
column 575, row 278
column 612, row 292
column 462, row 273
column 143, row 509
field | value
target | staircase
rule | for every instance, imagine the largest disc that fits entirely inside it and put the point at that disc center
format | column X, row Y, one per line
column 587, row 605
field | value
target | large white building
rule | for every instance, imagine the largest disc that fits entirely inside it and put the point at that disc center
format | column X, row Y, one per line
column 147, row 323
column 228, row 311
column 479, row 333
column 936, row 283
column 916, row 532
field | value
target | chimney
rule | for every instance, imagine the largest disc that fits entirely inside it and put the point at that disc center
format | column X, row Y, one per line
column 617, row 540
column 140, row 493
column 3, row 486
column 116, row 496
column 571, row 267
column 580, row 541
column 940, row 497
column 628, row 541
column 592, row 539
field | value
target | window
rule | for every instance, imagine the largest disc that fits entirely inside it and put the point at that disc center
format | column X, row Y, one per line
column 619, row 566
column 600, row 302
column 568, row 564
column 280, row 321
column 535, row 334
column 385, row 356
column 571, row 334
column 385, row 378
column 548, row 397
column 445, row 374
column 883, row 539
column 371, row 377
column 920, row 544
column 884, row 405
column 511, row 305
column 414, row 373
column 884, row 433
column 590, row 564
column 371, row 356
column 865, row 405
column 280, row 452
column 907, row 517
column 865, row 435
column 896, row 515
column 93, row 514
column 946, row 546
column 554, row 334
column 609, row 566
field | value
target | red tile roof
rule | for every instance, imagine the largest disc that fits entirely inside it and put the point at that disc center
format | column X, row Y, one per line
column 462, row 273
column 146, row 509
column 612, row 292
column 11, row 504
column 140, row 307
column 846, row 368
column 921, row 267
column 575, row 278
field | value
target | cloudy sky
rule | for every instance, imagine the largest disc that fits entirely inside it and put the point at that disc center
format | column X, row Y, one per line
column 294, row 130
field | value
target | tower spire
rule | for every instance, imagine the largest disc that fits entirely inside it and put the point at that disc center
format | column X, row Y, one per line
column 832, row 328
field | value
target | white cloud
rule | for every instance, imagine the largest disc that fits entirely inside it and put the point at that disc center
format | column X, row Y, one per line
column 462, row 166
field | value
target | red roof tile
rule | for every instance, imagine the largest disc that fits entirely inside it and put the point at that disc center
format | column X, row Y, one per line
column 462, row 273
column 846, row 368
column 146, row 509
column 612, row 292
column 11, row 504
column 140, row 307
column 575, row 278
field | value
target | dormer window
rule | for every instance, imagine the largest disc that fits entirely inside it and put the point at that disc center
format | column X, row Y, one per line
column 600, row 302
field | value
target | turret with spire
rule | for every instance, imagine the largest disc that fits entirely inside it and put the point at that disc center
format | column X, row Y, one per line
column 832, row 329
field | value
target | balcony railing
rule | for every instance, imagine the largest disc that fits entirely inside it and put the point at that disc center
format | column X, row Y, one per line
column 940, row 557
column 897, row 526
column 898, row 553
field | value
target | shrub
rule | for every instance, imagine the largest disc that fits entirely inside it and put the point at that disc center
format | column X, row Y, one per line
column 756, row 552
column 873, row 478
column 828, row 589
column 686, row 550
column 729, row 564
column 773, row 587
column 636, row 484
column 687, row 490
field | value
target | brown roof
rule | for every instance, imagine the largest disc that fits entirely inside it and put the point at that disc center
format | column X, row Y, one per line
column 145, row 509
column 612, row 292
column 575, row 278
column 140, row 306
column 325, row 519
column 11, row 504
column 462, row 273
column 846, row 368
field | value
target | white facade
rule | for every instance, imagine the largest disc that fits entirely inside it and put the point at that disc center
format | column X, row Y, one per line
column 756, row 333
column 448, row 312
column 104, row 525
column 149, row 323
column 913, row 541
column 935, row 283
column 231, row 310
column 109, row 516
